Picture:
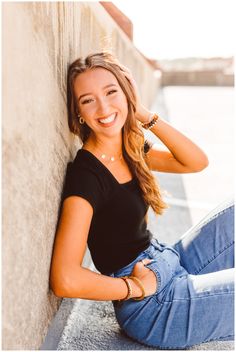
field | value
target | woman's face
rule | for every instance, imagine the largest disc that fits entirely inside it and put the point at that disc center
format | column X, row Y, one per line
column 101, row 101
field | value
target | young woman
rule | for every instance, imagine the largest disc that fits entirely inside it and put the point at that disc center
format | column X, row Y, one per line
column 164, row 296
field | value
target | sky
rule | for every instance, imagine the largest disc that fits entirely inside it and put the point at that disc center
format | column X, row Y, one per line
column 167, row 29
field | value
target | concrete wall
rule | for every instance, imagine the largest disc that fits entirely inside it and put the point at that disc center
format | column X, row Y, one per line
column 39, row 39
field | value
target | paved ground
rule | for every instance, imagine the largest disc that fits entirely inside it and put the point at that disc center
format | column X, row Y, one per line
column 91, row 325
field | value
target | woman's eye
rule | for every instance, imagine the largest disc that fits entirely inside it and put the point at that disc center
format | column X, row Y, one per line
column 112, row 91
column 86, row 101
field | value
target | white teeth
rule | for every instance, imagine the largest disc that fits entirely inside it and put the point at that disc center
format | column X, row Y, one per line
column 108, row 119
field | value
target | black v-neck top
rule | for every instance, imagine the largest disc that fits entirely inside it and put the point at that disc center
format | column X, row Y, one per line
column 118, row 231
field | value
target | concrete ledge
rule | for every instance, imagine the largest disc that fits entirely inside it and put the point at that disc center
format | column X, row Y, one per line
column 57, row 326
column 92, row 326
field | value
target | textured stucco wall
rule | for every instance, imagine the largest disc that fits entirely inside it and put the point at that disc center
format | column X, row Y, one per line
column 39, row 39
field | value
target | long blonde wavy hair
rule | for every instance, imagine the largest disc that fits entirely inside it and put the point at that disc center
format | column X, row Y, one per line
column 132, row 134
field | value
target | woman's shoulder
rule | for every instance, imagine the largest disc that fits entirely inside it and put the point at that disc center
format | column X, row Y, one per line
column 82, row 164
column 86, row 167
column 83, row 157
column 82, row 179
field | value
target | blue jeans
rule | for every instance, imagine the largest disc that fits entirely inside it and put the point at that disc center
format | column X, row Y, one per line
column 194, row 300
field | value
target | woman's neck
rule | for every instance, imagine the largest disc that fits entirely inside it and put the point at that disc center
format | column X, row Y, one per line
column 111, row 146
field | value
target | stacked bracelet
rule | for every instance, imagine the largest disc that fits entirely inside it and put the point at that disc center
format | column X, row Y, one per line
column 129, row 287
column 130, row 292
column 152, row 123
column 140, row 285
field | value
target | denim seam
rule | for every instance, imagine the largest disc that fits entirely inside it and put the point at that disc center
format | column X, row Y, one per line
column 213, row 258
column 158, row 277
column 199, row 297
column 208, row 220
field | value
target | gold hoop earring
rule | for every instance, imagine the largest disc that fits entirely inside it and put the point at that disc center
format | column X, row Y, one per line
column 81, row 120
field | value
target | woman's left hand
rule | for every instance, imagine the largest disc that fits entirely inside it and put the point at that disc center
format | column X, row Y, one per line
column 142, row 114
column 146, row 275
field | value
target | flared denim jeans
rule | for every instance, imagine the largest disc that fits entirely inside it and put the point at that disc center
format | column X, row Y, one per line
column 194, row 300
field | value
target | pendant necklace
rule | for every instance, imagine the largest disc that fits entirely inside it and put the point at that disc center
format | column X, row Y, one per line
column 112, row 158
column 108, row 158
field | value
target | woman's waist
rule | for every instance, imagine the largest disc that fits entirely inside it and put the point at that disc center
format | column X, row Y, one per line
column 156, row 251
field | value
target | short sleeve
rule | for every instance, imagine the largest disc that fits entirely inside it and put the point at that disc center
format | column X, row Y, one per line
column 147, row 146
column 84, row 183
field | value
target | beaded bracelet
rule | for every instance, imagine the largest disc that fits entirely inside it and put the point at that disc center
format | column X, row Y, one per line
column 152, row 123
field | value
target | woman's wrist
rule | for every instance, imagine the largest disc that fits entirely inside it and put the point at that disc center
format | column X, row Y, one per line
column 143, row 115
column 133, row 289
column 153, row 121
column 136, row 290
column 139, row 283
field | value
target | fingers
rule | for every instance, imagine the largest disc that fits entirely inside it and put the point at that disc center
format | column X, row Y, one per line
column 139, row 266
column 128, row 74
column 146, row 261
column 125, row 69
column 146, row 275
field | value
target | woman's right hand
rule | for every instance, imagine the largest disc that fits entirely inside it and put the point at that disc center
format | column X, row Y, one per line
column 146, row 276
column 142, row 114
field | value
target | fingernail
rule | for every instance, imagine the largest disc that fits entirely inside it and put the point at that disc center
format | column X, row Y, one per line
column 151, row 261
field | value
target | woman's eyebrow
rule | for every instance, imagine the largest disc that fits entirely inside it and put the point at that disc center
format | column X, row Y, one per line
column 107, row 86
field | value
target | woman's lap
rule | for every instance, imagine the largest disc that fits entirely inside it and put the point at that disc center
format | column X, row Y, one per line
column 187, row 308
column 209, row 245
column 192, row 309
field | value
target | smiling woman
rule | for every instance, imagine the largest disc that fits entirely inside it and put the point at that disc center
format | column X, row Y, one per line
column 159, row 295
column 106, row 105
column 100, row 88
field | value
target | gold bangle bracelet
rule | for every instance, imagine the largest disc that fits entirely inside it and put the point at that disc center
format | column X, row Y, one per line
column 140, row 285
column 129, row 287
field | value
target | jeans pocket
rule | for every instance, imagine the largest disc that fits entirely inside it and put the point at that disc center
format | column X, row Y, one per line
column 164, row 266
column 153, row 267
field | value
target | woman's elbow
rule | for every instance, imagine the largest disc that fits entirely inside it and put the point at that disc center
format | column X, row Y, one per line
column 57, row 290
column 61, row 287
column 66, row 284
column 202, row 164
column 57, row 287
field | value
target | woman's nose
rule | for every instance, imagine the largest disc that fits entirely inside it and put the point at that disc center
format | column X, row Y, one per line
column 102, row 107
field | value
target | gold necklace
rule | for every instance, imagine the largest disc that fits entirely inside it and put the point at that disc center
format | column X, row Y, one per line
column 108, row 158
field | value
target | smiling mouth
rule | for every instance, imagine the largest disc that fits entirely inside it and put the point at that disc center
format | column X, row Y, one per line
column 108, row 120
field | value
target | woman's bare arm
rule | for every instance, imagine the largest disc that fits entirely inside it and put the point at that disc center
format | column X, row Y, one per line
column 182, row 156
column 67, row 277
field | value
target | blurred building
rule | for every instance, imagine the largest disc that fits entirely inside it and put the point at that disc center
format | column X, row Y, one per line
column 187, row 71
column 198, row 72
